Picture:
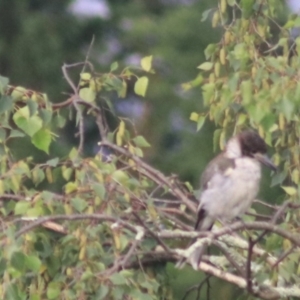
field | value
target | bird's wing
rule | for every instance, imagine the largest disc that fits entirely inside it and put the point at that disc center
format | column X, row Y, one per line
column 219, row 165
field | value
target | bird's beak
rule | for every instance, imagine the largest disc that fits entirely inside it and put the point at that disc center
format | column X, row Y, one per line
column 265, row 160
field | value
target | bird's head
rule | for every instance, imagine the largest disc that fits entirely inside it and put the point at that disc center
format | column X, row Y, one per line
column 249, row 143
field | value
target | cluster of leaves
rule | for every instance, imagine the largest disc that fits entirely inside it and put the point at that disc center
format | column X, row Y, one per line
column 251, row 79
column 83, row 252
column 111, row 215
column 250, row 85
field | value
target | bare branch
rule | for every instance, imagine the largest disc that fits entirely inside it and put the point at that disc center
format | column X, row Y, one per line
column 37, row 221
column 140, row 234
column 263, row 291
column 234, row 227
column 165, row 247
column 68, row 79
column 283, row 256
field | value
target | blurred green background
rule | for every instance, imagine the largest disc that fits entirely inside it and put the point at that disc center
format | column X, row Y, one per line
column 37, row 37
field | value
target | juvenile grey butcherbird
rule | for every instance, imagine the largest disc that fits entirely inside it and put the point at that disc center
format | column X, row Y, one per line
column 230, row 183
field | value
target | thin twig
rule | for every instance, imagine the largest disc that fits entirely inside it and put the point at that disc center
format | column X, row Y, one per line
column 69, row 80
column 283, row 256
column 196, row 286
column 159, row 240
column 248, row 266
column 88, row 55
column 230, row 259
column 75, row 103
column 140, row 234
column 37, row 221
column 154, row 174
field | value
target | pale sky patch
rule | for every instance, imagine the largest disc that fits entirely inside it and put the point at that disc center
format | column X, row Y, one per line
column 294, row 6
column 90, row 8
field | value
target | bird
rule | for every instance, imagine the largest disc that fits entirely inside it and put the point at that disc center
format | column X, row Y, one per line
column 229, row 184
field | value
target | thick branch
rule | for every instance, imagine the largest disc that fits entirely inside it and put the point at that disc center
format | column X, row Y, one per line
column 234, row 227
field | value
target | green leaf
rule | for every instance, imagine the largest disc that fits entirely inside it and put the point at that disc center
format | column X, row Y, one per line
column 117, row 292
column 22, row 112
column 70, row 187
column 206, row 66
column 247, row 7
column 120, row 176
column 141, row 85
column 2, row 135
column 47, row 196
column 246, row 89
column 200, row 122
column 85, row 76
column 32, row 106
column 216, row 139
column 66, row 173
column 6, row 103
column 12, row 292
column 99, row 190
column 42, row 140
column 21, row 207
column 3, row 84
column 37, row 176
column 17, row 261
column 46, row 116
column 102, row 292
column 30, row 125
column 33, row 263
column 257, row 111
column 146, row 63
column 87, row 94
column 16, row 133
column 114, row 66
column 86, row 275
column 3, row 266
column 60, row 121
column 35, row 211
column 290, row 190
column 122, row 91
column 73, row 153
column 140, row 141
column 17, row 93
column 208, row 92
column 79, row 204
column 127, row 273
column 53, row 290
column 114, row 83
column 137, row 294
column 139, row 152
column 53, row 162
column 194, row 117
column 205, row 14
column 117, row 279
column 210, row 50
column 287, row 107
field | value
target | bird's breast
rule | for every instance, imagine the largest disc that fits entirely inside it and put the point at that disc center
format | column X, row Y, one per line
column 230, row 194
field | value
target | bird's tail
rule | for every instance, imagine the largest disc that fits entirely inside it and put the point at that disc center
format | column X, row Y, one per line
column 194, row 258
column 203, row 223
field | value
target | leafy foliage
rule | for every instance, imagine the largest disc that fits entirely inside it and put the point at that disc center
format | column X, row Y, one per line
column 70, row 260
column 108, row 222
